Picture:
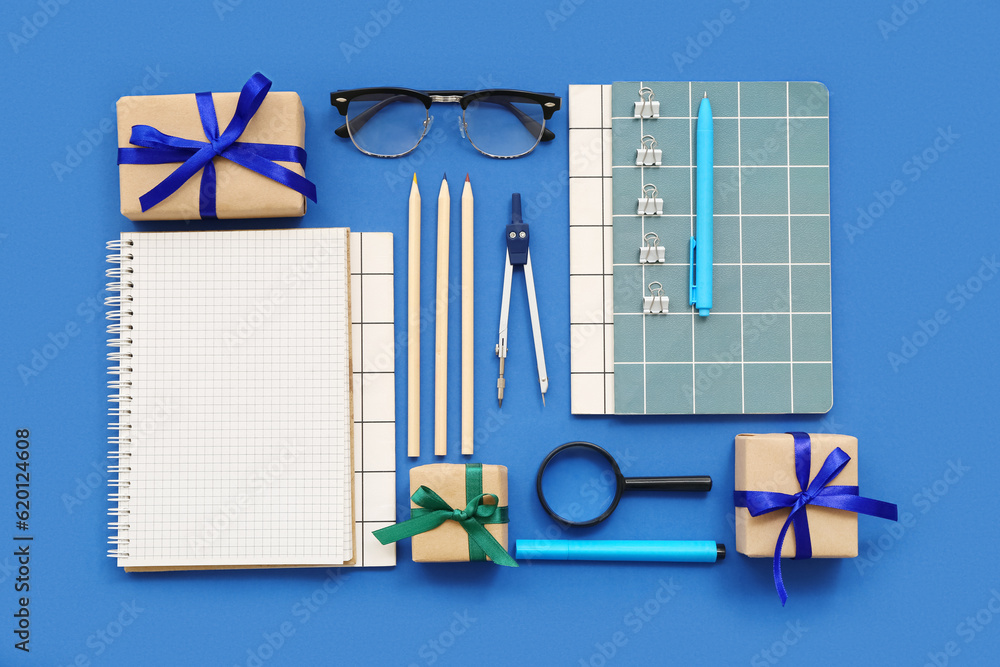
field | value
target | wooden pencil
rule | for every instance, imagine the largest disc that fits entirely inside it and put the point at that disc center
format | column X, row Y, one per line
column 468, row 291
column 413, row 325
column 441, row 323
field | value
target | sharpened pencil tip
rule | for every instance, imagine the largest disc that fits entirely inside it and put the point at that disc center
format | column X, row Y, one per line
column 466, row 178
column 706, row 95
column 445, row 176
column 414, row 177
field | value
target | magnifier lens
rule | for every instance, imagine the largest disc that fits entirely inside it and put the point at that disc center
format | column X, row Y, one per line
column 579, row 484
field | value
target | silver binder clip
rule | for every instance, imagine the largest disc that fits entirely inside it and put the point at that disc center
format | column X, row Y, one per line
column 648, row 155
column 655, row 303
column 649, row 203
column 651, row 251
column 647, row 107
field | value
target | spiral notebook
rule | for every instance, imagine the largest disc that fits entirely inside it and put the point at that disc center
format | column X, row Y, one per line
column 232, row 386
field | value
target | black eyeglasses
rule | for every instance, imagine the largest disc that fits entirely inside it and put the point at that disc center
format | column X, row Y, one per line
column 391, row 122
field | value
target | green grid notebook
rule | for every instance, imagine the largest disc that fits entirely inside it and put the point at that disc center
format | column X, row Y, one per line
column 766, row 347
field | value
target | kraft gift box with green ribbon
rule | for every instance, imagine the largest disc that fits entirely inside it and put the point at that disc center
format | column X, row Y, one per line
column 458, row 513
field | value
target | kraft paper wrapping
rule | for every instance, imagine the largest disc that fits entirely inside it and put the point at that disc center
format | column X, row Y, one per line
column 449, row 542
column 766, row 462
column 241, row 193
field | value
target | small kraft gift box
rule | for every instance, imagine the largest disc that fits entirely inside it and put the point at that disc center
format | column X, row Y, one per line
column 806, row 482
column 176, row 164
column 458, row 513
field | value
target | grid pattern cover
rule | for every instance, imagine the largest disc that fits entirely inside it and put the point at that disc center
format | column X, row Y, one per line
column 766, row 347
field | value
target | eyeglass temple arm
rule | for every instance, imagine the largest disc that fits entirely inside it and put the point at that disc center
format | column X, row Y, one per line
column 359, row 121
column 529, row 123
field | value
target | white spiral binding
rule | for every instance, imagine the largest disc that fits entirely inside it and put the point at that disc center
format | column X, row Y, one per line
column 119, row 339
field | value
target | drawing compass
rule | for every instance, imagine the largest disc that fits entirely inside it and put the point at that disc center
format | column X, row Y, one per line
column 517, row 235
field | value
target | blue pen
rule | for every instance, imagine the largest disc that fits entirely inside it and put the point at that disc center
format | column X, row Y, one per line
column 700, row 272
column 675, row 551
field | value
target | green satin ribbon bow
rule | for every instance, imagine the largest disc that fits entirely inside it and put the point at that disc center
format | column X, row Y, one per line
column 434, row 511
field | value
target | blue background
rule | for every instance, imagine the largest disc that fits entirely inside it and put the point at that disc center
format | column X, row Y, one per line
column 892, row 93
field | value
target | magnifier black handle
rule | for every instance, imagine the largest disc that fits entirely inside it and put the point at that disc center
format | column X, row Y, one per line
column 692, row 483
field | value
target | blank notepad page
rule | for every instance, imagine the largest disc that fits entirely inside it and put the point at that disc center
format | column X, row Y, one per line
column 240, row 422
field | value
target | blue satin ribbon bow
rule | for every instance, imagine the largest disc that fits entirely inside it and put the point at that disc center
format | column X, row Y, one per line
column 159, row 148
column 816, row 492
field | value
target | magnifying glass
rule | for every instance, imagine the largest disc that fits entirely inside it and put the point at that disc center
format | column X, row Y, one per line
column 585, row 484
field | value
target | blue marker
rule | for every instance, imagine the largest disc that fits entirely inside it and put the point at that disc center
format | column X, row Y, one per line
column 674, row 551
column 700, row 273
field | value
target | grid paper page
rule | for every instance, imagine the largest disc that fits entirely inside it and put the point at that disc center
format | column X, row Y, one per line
column 592, row 376
column 241, row 411
column 766, row 347
column 374, row 353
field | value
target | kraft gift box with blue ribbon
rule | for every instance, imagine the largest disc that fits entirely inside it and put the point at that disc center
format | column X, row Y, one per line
column 797, row 496
column 176, row 164
column 458, row 513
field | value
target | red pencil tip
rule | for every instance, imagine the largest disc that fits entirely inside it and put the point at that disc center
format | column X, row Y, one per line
column 466, row 178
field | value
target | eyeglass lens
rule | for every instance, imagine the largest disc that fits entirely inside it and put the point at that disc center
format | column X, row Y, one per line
column 504, row 125
column 386, row 124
